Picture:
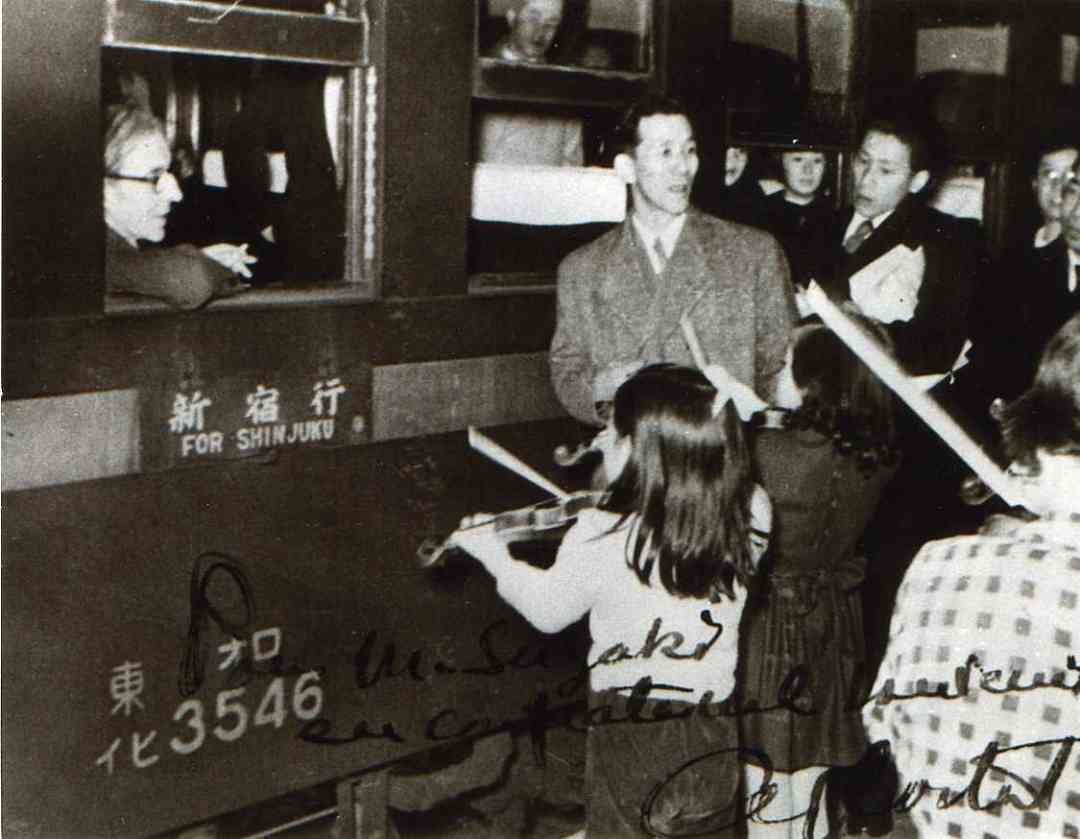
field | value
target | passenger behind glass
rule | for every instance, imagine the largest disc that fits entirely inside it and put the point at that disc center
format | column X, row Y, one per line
column 290, row 212
column 800, row 214
column 138, row 193
column 532, row 26
column 529, row 137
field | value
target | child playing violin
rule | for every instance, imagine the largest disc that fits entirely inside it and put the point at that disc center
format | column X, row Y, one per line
column 661, row 568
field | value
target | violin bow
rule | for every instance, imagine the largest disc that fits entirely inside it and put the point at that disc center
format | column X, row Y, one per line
column 886, row 368
column 690, row 335
column 489, row 448
column 747, row 402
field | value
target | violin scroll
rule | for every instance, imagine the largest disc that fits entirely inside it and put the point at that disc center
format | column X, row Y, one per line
column 565, row 456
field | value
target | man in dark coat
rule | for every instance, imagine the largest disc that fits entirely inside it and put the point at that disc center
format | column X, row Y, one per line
column 927, row 312
column 914, row 269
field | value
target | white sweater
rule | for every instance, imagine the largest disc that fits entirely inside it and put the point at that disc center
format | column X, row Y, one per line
column 636, row 630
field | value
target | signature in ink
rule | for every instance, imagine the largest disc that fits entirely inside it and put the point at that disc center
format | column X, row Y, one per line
column 1039, row 795
column 988, row 681
column 372, row 663
column 204, row 611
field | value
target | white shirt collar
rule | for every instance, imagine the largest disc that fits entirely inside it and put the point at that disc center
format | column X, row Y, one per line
column 1074, row 261
column 1047, row 234
column 857, row 220
column 668, row 237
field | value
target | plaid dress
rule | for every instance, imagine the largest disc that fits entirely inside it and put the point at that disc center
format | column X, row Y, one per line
column 999, row 612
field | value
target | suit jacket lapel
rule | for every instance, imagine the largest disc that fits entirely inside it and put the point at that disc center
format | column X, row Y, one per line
column 624, row 289
column 686, row 279
column 881, row 241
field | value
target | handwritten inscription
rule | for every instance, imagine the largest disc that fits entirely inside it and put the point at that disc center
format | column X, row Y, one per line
column 1034, row 795
column 263, row 690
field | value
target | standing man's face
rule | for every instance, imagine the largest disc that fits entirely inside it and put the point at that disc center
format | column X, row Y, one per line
column 533, row 27
column 1053, row 170
column 883, row 175
column 661, row 169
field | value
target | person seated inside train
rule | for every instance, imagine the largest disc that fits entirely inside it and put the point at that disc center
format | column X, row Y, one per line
column 139, row 191
column 799, row 215
column 527, row 136
column 992, row 619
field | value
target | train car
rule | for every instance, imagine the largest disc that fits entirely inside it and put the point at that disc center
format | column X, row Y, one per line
column 214, row 617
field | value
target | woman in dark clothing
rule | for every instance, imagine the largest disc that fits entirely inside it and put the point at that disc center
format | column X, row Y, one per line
column 800, row 214
column 824, row 470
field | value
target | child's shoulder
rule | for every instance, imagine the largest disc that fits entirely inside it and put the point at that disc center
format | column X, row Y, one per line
column 595, row 526
column 596, row 521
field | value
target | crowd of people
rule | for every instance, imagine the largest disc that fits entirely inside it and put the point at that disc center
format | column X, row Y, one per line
column 802, row 530
column 802, row 586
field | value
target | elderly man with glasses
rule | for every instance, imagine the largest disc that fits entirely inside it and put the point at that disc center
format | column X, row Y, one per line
column 139, row 191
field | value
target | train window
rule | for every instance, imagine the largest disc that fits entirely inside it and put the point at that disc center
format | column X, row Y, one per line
column 588, row 52
column 790, row 65
column 961, row 75
column 551, row 77
column 237, row 168
column 597, row 34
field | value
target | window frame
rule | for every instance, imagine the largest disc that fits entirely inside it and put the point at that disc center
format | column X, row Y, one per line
column 341, row 41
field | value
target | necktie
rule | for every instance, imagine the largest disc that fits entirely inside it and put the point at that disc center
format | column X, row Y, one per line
column 861, row 234
column 661, row 257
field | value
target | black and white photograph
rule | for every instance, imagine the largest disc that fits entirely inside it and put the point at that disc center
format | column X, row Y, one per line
column 540, row 419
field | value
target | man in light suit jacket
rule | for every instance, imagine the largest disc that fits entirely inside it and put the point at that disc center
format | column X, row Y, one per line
column 621, row 297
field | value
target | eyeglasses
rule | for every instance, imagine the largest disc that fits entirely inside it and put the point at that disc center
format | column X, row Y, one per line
column 1054, row 179
column 1070, row 190
column 160, row 182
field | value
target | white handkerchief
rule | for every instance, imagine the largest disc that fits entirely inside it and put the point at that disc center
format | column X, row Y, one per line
column 887, row 289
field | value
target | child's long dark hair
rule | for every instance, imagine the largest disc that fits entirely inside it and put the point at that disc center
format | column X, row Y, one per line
column 842, row 398
column 688, row 476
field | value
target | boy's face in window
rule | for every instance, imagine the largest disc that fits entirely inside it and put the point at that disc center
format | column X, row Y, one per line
column 1053, row 169
column 883, row 174
column 533, row 27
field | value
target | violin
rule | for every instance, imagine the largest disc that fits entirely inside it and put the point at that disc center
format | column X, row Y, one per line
column 565, row 456
column 548, row 519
